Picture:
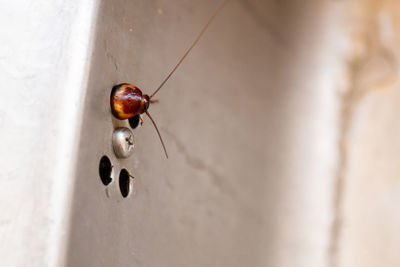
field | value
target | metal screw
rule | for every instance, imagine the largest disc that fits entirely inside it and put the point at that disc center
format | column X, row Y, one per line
column 122, row 141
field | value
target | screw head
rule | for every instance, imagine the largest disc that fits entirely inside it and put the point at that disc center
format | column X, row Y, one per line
column 122, row 141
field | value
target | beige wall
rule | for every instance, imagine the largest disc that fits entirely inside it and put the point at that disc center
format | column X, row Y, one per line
column 368, row 194
column 282, row 129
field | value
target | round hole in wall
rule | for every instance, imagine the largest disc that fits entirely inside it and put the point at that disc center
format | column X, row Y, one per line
column 125, row 183
column 105, row 169
column 134, row 121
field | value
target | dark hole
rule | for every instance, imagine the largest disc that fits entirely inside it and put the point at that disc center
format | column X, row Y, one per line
column 124, row 182
column 134, row 121
column 105, row 169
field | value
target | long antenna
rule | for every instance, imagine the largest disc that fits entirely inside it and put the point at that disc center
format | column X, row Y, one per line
column 159, row 135
column 191, row 47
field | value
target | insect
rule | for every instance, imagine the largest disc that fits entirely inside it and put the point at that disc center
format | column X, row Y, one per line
column 128, row 101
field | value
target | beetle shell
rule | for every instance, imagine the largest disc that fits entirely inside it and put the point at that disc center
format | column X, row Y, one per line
column 126, row 101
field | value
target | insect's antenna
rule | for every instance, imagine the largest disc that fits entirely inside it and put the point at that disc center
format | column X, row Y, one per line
column 191, row 47
column 159, row 135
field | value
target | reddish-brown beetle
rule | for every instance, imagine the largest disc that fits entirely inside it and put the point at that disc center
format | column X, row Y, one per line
column 128, row 100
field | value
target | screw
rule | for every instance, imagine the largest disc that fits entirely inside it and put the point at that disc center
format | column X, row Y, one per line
column 122, row 141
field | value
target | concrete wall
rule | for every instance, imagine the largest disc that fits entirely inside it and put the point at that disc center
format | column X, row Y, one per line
column 368, row 194
column 280, row 126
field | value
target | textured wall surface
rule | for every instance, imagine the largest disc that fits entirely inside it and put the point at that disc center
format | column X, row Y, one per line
column 250, row 125
column 281, row 127
column 369, row 192
column 44, row 54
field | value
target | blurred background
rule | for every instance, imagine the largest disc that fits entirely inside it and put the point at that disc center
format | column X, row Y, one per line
column 282, row 128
